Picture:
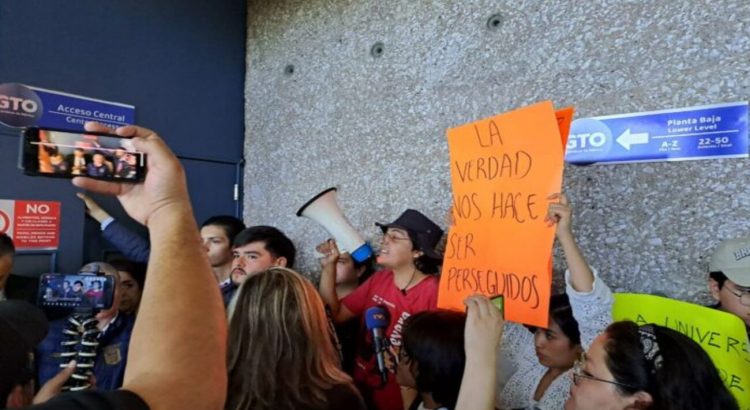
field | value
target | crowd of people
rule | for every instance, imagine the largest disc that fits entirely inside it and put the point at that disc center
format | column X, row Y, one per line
column 216, row 317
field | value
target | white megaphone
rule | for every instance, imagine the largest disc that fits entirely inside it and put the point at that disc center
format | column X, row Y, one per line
column 324, row 209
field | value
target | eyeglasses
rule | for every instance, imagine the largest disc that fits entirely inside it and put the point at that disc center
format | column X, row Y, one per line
column 579, row 373
column 744, row 296
column 393, row 237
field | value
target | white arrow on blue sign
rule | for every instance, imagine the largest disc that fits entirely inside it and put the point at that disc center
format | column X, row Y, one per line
column 709, row 131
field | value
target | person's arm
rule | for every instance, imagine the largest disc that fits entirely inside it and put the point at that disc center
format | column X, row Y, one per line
column 408, row 395
column 560, row 213
column 327, row 286
column 484, row 328
column 177, row 358
column 133, row 246
column 590, row 298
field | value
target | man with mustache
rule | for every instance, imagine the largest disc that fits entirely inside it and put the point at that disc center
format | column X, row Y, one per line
column 256, row 249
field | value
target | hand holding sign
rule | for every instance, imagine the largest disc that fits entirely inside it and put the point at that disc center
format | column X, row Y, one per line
column 484, row 328
column 559, row 213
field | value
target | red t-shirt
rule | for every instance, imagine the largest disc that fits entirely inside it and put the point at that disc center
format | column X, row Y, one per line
column 380, row 290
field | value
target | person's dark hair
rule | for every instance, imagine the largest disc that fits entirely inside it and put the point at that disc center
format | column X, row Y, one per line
column 135, row 269
column 686, row 379
column 231, row 225
column 273, row 239
column 424, row 263
column 719, row 277
column 6, row 245
column 78, row 282
column 434, row 342
column 51, row 149
column 561, row 313
column 22, row 375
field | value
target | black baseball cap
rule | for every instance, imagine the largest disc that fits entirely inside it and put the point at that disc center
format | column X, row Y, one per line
column 425, row 233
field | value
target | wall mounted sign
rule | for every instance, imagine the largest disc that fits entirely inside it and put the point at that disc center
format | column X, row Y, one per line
column 33, row 225
column 25, row 106
column 709, row 131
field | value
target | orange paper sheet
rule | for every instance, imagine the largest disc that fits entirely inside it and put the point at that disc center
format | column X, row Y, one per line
column 502, row 170
column 564, row 118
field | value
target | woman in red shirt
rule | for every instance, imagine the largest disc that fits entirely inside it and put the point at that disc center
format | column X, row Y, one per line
column 405, row 285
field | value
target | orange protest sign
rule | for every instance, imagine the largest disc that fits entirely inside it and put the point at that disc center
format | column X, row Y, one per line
column 502, row 170
column 564, row 118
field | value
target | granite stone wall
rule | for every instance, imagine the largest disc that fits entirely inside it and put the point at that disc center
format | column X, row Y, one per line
column 358, row 95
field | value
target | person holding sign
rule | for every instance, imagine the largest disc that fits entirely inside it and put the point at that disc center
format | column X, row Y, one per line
column 647, row 367
column 576, row 318
column 406, row 285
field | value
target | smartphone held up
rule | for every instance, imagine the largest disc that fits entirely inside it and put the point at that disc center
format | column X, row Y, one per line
column 66, row 154
column 76, row 291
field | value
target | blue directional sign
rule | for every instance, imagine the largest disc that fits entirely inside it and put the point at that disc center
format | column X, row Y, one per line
column 709, row 131
column 23, row 106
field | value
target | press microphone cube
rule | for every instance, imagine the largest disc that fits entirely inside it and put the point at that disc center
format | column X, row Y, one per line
column 376, row 317
column 324, row 209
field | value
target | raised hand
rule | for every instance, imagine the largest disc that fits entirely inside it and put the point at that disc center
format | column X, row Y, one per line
column 330, row 252
column 559, row 213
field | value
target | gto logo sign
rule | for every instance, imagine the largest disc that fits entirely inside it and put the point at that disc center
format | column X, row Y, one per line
column 17, row 104
column 20, row 106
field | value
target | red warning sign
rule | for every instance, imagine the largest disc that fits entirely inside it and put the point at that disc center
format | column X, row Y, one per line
column 31, row 224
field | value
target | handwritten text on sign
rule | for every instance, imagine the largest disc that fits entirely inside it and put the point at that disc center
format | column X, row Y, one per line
column 502, row 170
column 722, row 335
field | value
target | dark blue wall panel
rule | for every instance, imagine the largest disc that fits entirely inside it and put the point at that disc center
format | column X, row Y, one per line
column 180, row 62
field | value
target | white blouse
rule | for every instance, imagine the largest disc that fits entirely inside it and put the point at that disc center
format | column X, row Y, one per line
column 519, row 370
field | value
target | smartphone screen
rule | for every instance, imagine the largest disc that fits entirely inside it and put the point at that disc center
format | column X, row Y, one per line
column 66, row 154
column 71, row 291
column 498, row 302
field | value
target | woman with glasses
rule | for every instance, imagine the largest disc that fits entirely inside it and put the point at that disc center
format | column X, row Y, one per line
column 405, row 285
column 647, row 367
column 535, row 366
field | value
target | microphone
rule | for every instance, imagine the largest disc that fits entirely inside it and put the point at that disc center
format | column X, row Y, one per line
column 377, row 319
